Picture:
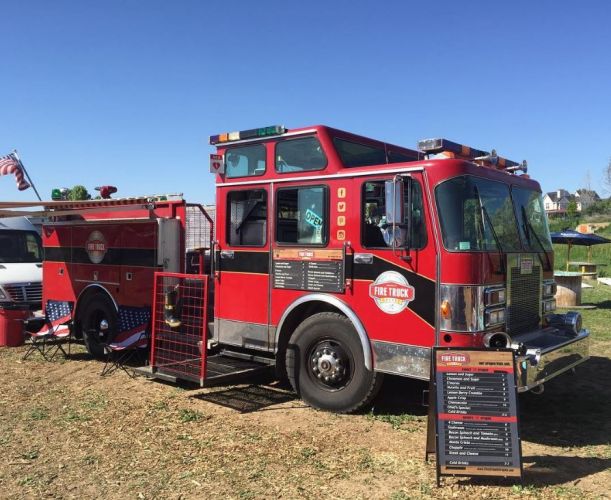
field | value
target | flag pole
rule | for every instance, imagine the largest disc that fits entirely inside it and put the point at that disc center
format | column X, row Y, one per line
column 26, row 174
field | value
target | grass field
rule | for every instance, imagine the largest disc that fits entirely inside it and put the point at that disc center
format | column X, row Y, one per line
column 65, row 432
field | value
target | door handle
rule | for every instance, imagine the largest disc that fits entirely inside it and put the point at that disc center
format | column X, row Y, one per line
column 227, row 254
column 363, row 258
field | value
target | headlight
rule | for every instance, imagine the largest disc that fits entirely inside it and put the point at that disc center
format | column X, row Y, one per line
column 549, row 288
column 549, row 305
column 494, row 296
column 3, row 295
column 494, row 316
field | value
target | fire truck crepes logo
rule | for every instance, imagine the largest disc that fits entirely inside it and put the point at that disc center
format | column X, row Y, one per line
column 454, row 359
column 96, row 247
column 391, row 292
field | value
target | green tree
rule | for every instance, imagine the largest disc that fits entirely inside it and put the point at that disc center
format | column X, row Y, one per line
column 79, row 192
column 571, row 209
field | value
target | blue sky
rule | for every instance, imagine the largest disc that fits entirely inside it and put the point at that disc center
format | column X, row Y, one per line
column 127, row 92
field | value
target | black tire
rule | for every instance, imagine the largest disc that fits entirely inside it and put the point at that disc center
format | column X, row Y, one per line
column 325, row 365
column 97, row 309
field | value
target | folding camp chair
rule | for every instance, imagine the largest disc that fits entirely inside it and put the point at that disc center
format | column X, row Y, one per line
column 46, row 338
column 122, row 350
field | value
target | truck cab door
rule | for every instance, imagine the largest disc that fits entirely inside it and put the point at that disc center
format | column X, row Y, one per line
column 242, row 268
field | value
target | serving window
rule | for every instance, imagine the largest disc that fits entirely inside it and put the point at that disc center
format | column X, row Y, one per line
column 302, row 216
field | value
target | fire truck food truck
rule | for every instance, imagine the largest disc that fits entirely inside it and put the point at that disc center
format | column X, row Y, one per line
column 335, row 258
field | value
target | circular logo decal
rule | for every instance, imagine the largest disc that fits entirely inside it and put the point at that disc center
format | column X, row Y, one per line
column 391, row 292
column 96, row 247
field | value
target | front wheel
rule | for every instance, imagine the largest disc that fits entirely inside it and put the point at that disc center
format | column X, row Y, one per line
column 98, row 324
column 325, row 365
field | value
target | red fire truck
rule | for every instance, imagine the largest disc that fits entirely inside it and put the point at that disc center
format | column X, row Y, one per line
column 336, row 258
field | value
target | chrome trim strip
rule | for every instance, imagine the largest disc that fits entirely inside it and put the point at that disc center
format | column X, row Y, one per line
column 436, row 238
column 242, row 334
column 328, row 176
column 343, row 307
column 402, row 359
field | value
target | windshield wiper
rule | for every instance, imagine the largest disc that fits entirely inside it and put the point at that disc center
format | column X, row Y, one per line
column 529, row 229
column 497, row 241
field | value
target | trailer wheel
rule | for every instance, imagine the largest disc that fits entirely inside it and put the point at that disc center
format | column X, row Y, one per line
column 324, row 363
column 98, row 323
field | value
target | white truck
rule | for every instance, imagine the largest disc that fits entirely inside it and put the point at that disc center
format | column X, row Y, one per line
column 20, row 265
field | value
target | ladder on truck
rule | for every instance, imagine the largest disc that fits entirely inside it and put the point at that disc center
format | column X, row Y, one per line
column 179, row 335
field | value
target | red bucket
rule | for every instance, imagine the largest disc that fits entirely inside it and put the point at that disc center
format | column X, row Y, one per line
column 11, row 327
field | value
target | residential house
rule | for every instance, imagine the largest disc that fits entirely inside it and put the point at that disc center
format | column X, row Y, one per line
column 585, row 198
column 556, row 202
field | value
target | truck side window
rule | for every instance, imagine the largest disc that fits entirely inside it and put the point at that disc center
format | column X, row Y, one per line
column 247, row 218
column 354, row 154
column 301, row 216
column 297, row 155
column 373, row 216
column 245, row 161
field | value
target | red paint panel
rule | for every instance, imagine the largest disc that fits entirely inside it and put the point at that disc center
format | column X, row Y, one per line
column 244, row 297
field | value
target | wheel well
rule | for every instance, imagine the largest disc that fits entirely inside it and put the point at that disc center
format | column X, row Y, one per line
column 290, row 324
column 83, row 298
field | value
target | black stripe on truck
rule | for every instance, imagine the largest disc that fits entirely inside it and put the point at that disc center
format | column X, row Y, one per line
column 142, row 257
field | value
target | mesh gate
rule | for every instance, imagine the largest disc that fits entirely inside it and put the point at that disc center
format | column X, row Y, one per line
column 180, row 319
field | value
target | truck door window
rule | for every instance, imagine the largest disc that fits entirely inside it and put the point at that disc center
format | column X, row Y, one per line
column 373, row 216
column 247, row 218
column 297, row 155
column 301, row 216
column 245, row 161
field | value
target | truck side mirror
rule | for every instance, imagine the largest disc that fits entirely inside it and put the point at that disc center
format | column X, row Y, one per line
column 395, row 202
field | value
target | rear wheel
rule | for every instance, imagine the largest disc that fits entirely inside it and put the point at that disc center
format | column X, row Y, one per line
column 325, row 365
column 98, row 324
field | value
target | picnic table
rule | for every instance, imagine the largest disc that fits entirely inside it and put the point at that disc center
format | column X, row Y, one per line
column 587, row 269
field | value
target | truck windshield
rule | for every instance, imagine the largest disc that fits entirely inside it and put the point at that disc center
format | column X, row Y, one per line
column 531, row 219
column 19, row 246
column 477, row 215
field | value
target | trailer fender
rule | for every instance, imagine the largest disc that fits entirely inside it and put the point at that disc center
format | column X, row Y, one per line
column 343, row 308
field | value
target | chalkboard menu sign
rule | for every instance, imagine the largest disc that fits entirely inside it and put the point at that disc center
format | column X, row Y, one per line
column 309, row 269
column 477, row 432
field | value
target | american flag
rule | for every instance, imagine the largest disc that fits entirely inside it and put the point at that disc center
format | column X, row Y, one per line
column 9, row 164
column 133, row 322
column 58, row 312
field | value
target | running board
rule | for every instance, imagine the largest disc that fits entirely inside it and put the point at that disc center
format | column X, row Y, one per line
column 220, row 370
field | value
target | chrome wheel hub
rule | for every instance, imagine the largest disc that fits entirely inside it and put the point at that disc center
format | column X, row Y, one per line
column 329, row 364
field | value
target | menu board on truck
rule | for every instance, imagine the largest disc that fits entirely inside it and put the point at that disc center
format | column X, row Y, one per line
column 476, row 412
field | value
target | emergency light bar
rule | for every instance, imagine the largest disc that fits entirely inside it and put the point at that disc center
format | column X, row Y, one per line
column 435, row 146
column 253, row 133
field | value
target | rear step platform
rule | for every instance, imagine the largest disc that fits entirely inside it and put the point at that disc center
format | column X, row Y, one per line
column 220, row 370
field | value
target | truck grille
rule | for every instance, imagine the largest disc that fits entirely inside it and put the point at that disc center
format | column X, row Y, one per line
column 25, row 292
column 524, row 299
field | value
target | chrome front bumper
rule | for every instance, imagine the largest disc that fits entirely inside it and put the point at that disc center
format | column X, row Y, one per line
column 549, row 352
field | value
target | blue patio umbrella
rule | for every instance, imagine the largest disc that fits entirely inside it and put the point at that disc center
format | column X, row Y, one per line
column 570, row 237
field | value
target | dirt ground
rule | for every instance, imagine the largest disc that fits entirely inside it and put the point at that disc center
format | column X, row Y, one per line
column 65, row 432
